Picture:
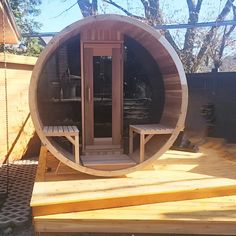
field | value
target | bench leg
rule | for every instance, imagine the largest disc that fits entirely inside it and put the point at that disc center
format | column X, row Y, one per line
column 77, row 160
column 58, row 166
column 131, row 139
column 142, row 147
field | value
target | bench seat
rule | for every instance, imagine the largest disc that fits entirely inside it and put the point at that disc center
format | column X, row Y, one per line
column 146, row 132
column 70, row 132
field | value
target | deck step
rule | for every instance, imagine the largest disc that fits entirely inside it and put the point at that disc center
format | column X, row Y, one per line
column 103, row 150
column 105, row 162
column 82, row 195
column 210, row 216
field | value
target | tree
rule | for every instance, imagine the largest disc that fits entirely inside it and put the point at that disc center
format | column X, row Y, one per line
column 197, row 45
column 24, row 12
column 87, row 8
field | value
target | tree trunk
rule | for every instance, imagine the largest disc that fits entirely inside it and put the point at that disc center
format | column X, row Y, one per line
column 87, row 8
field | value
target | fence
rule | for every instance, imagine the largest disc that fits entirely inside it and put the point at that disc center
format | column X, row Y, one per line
column 20, row 128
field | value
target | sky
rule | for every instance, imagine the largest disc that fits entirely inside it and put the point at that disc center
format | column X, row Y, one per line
column 54, row 20
column 50, row 14
column 54, row 16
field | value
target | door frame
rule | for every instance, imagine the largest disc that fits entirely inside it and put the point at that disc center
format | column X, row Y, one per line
column 88, row 51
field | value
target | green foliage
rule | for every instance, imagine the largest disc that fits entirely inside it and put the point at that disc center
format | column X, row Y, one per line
column 24, row 12
column 34, row 47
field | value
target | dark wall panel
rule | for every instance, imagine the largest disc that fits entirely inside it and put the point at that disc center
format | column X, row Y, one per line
column 212, row 105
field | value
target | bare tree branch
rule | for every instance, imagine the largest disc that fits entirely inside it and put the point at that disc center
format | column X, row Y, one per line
column 191, row 5
column 226, row 35
column 152, row 11
column 225, row 10
column 199, row 4
column 190, row 35
column 145, row 5
column 208, row 37
column 172, row 42
column 87, row 8
column 94, row 7
column 153, row 17
column 123, row 9
column 65, row 10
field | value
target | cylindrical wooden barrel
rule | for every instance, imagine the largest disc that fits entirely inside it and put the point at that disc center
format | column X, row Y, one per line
column 120, row 83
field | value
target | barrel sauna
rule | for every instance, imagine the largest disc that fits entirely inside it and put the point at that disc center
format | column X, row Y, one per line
column 108, row 95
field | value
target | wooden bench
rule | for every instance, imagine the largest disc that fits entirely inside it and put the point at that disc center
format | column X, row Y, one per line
column 70, row 132
column 146, row 132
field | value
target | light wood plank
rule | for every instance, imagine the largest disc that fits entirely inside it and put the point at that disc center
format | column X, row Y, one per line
column 40, row 175
column 131, row 137
column 177, row 175
column 88, row 127
column 60, row 129
column 70, row 132
column 50, row 129
column 202, row 216
column 102, row 45
column 152, row 129
column 142, row 147
column 70, row 139
column 149, row 136
column 67, row 196
column 77, row 157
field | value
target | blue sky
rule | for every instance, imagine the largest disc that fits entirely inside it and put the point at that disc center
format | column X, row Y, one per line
column 50, row 11
column 175, row 9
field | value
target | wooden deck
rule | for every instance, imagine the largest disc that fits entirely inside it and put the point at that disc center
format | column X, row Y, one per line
column 215, row 216
column 184, row 193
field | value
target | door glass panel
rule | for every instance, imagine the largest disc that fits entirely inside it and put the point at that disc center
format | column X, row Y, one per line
column 102, row 95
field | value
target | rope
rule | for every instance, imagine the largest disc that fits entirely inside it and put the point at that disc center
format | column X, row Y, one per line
column 6, row 93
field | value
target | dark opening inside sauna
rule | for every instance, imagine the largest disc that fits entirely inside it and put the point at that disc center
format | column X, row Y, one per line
column 108, row 95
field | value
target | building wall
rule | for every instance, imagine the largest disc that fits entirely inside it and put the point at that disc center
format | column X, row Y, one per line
column 18, row 72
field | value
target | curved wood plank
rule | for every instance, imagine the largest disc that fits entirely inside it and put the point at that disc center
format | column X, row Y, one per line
column 176, row 92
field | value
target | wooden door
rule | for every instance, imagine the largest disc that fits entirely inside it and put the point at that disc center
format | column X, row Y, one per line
column 102, row 94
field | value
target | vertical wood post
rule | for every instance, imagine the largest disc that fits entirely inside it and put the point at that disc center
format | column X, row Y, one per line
column 116, row 96
column 42, row 163
column 142, row 147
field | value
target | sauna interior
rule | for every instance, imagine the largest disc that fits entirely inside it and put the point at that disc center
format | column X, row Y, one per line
column 114, row 81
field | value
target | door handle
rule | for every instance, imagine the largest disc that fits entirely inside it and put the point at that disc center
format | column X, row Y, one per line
column 89, row 94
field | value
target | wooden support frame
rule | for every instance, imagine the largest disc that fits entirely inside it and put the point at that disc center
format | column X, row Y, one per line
column 40, row 175
column 70, row 132
column 146, row 132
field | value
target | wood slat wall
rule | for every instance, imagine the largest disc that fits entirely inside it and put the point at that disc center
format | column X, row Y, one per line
column 18, row 78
